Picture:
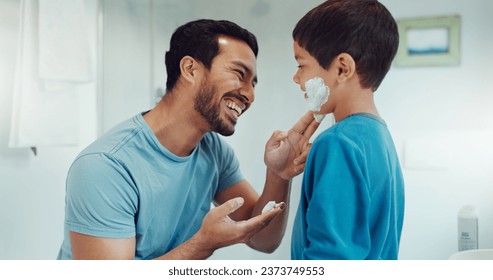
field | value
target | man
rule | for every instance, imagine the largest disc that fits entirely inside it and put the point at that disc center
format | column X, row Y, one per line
column 143, row 190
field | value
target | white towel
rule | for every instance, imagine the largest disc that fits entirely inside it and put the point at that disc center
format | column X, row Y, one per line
column 64, row 47
column 49, row 68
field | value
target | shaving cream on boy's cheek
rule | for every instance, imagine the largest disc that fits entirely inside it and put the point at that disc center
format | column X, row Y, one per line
column 316, row 95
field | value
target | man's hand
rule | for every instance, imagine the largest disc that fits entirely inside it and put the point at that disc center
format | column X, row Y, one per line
column 286, row 152
column 219, row 230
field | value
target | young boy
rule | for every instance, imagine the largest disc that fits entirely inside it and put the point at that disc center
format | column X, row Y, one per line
column 352, row 200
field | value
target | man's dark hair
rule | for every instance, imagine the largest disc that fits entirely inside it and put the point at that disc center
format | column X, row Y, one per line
column 364, row 29
column 199, row 39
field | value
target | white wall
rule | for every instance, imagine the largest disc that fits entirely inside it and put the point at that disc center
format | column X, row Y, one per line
column 32, row 188
column 442, row 121
column 127, row 60
column 439, row 116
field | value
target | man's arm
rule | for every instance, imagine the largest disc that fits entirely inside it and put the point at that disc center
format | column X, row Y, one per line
column 277, row 189
column 86, row 247
column 217, row 230
column 285, row 156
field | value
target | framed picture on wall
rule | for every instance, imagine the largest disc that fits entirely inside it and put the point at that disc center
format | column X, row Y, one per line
column 429, row 41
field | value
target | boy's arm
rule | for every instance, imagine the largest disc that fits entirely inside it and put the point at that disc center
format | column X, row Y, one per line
column 337, row 213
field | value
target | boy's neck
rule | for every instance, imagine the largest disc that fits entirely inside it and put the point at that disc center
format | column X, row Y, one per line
column 355, row 102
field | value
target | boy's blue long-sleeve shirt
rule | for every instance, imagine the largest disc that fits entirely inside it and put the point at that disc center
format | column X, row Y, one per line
column 352, row 197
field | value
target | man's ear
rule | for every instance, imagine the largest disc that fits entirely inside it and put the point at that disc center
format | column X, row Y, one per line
column 189, row 68
column 346, row 67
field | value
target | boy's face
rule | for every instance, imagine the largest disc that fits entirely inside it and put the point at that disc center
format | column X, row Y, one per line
column 308, row 68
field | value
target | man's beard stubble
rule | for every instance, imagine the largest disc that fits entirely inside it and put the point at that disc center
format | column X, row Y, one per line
column 204, row 104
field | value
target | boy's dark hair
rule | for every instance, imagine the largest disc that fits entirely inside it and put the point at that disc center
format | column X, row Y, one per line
column 198, row 39
column 365, row 29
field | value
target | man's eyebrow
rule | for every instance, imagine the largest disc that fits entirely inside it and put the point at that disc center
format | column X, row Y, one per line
column 247, row 69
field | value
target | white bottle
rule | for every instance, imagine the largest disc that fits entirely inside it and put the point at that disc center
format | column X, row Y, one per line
column 467, row 221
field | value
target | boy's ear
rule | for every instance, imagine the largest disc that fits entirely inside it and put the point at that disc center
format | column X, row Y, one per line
column 189, row 68
column 346, row 67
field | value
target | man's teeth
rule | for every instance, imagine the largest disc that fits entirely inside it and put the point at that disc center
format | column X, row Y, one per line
column 233, row 106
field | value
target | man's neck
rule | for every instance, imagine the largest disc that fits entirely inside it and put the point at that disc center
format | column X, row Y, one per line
column 176, row 124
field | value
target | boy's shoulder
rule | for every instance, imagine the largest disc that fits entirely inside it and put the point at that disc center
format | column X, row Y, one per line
column 359, row 122
column 354, row 128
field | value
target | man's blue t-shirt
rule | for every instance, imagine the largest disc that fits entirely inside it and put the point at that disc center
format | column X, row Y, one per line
column 352, row 197
column 127, row 184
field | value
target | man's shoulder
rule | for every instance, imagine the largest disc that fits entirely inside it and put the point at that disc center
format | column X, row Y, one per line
column 115, row 138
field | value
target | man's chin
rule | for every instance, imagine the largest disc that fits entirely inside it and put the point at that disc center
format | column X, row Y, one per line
column 226, row 128
column 226, row 132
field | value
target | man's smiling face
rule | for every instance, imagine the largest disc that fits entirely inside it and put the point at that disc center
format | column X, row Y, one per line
column 228, row 90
